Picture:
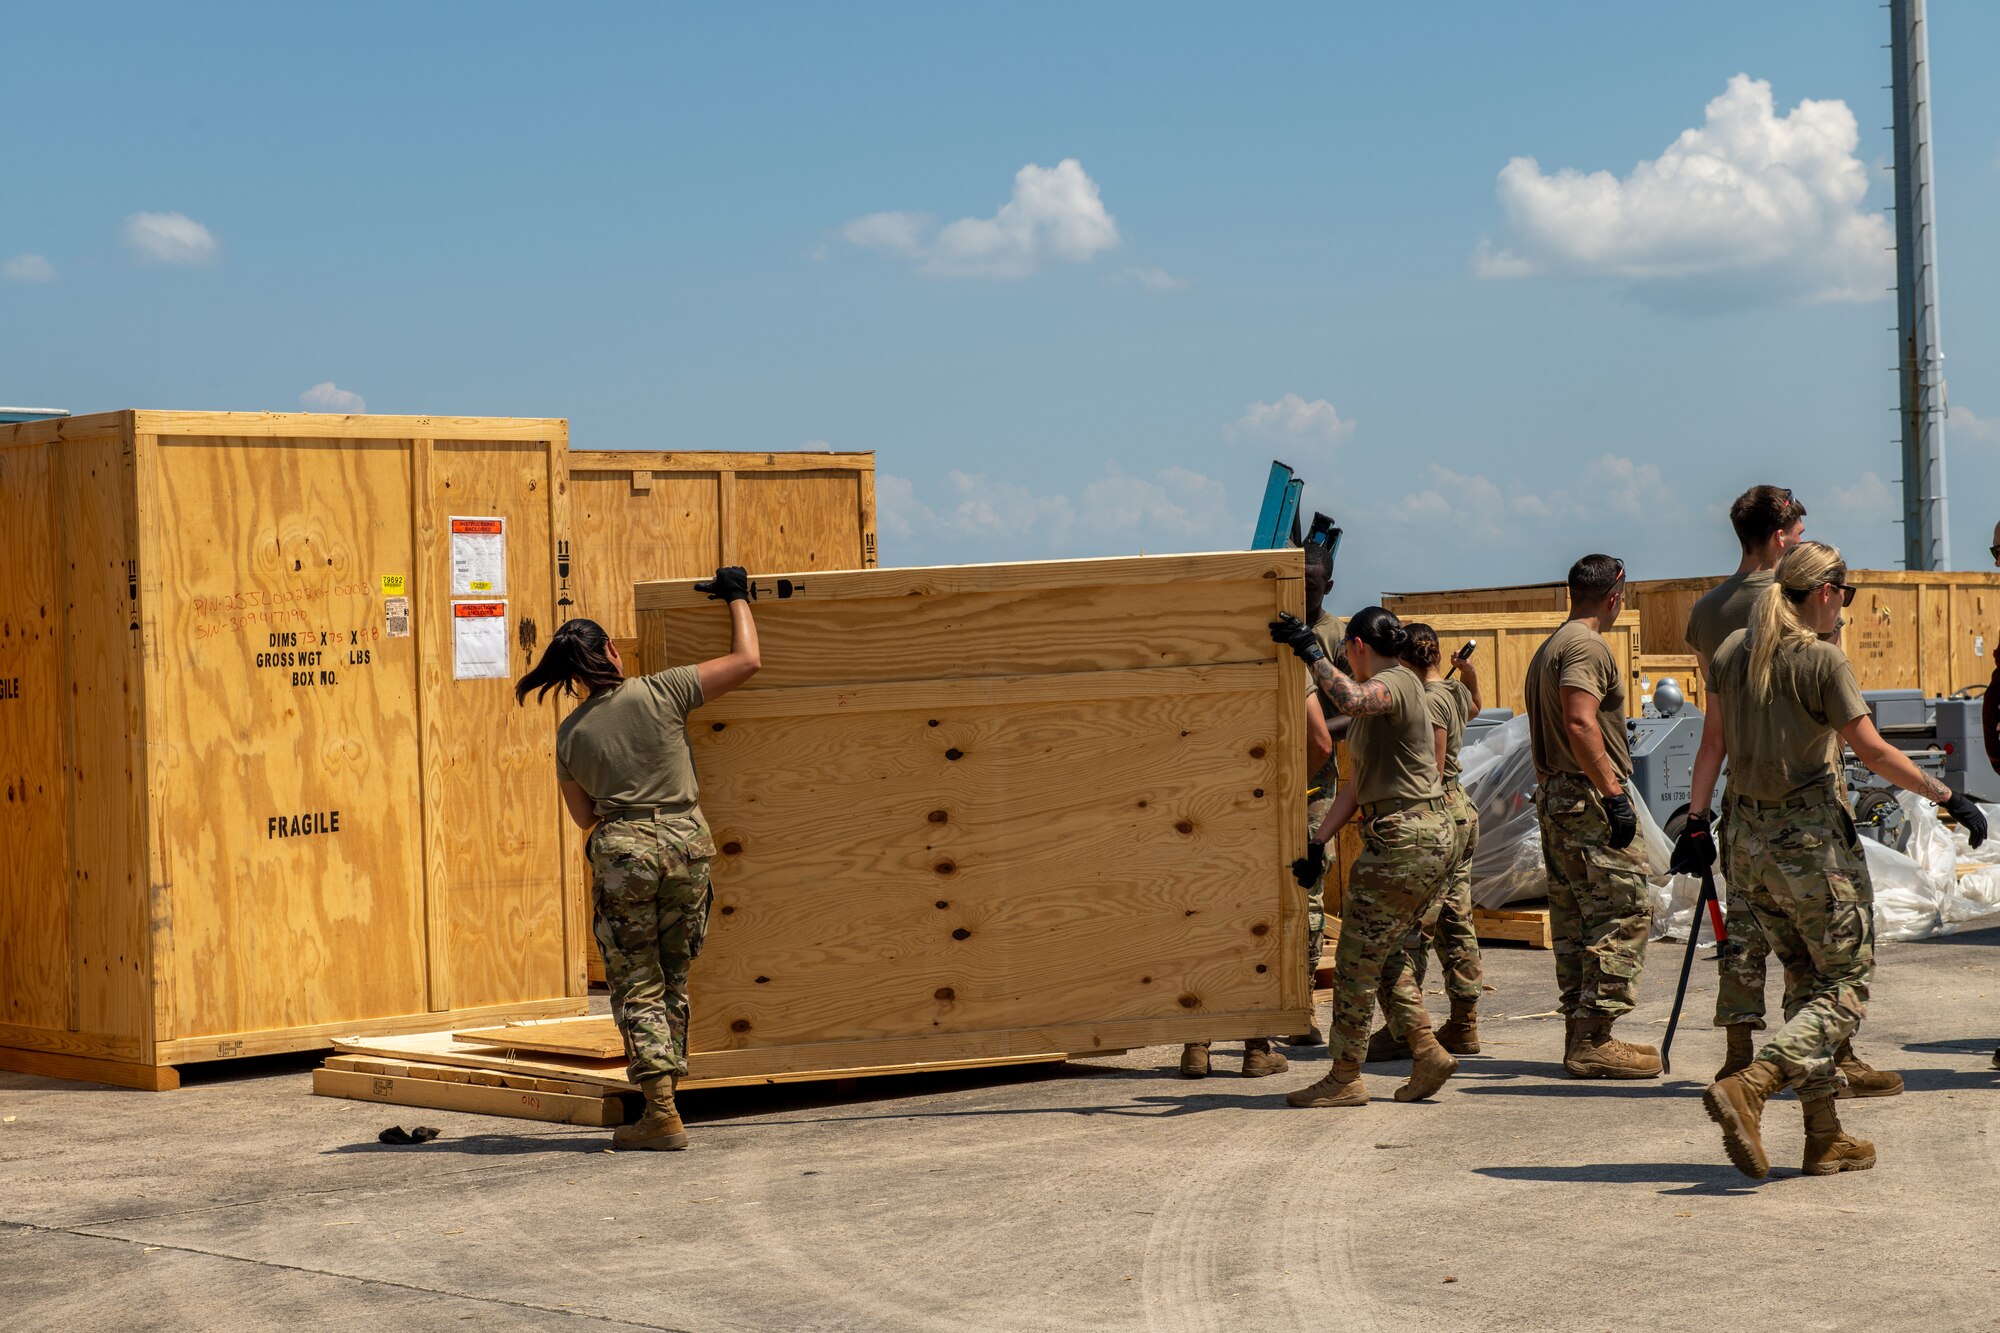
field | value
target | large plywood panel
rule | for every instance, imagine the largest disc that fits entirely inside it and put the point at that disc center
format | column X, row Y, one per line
column 287, row 802
column 999, row 807
column 101, row 592
column 798, row 522
column 667, row 525
column 1508, row 642
column 1883, row 636
column 499, row 836
column 35, row 989
column 1974, row 631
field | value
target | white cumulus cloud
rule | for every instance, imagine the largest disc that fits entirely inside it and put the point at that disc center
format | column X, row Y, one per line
column 326, row 396
column 1869, row 500
column 1055, row 215
column 1610, row 488
column 171, row 238
column 1750, row 207
column 1962, row 423
column 1292, row 422
column 29, row 268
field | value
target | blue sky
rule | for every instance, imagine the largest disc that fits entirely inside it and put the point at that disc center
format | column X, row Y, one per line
column 1281, row 231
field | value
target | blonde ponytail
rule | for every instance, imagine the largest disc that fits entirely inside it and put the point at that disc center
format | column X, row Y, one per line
column 1775, row 622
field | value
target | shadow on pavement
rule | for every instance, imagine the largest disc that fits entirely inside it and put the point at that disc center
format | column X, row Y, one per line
column 1693, row 1177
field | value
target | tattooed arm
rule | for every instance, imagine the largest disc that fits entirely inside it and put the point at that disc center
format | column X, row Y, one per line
column 1356, row 698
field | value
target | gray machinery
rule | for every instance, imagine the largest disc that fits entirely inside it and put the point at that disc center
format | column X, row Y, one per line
column 1942, row 738
column 1663, row 745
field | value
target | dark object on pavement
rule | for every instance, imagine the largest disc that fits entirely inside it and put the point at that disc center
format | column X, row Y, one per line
column 396, row 1134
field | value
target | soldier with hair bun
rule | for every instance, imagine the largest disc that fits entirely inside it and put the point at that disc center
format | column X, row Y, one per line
column 1397, row 791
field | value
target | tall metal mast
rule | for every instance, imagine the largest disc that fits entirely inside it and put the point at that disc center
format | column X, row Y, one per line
column 1926, row 535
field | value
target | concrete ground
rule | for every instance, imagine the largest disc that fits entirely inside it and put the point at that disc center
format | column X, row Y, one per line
column 1110, row 1195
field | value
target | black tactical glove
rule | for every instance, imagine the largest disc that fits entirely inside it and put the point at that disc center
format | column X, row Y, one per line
column 1624, row 822
column 1308, row 868
column 1694, row 850
column 1288, row 629
column 1969, row 816
column 730, row 584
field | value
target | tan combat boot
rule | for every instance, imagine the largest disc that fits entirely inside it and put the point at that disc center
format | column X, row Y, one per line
column 1859, row 1079
column 1573, row 1029
column 1597, row 1054
column 1194, row 1060
column 1430, row 1066
column 1385, row 1046
column 1737, row 1104
column 1829, row 1148
column 660, row 1128
column 1742, row 1050
column 1341, row 1087
column 1460, row 1034
column 1259, row 1060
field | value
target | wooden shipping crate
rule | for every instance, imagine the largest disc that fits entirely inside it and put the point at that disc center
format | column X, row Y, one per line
column 640, row 515
column 250, row 803
column 999, row 810
column 644, row 515
column 1908, row 629
column 1507, row 642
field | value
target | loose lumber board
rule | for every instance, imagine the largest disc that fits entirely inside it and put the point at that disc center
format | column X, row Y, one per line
column 438, row 1048
column 477, row 1099
column 1528, row 925
column 195, row 648
column 595, row 1037
column 995, row 810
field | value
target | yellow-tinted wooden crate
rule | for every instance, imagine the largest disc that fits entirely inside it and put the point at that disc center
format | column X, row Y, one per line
column 639, row 514
column 243, row 813
column 999, row 810
column 1921, row 629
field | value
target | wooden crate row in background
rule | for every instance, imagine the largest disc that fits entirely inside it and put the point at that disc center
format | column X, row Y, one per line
column 1932, row 631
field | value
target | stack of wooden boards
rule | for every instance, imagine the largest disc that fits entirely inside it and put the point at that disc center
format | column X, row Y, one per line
column 567, row 1070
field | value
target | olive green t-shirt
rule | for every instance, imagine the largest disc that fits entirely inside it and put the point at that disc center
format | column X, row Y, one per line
column 1575, row 655
column 1395, row 753
column 1724, row 609
column 1778, row 747
column 1450, row 704
column 627, row 747
column 1331, row 631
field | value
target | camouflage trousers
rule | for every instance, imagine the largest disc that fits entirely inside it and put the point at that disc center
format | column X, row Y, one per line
column 1801, row 872
column 1328, row 782
column 1401, row 871
column 1447, row 927
column 1741, row 960
column 650, row 897
column 1599, row 915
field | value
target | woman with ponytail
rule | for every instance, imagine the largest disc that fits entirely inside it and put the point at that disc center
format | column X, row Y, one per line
column 1779, row 694
column 1397, row 791
column 623, row 767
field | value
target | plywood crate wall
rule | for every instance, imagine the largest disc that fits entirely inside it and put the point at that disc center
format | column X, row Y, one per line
column 1507, row 642
column 999, row 810
column 250, row 805
column 643, row 515
column 1922, row 629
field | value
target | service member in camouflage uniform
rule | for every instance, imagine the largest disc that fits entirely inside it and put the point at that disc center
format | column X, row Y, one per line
column 1447, row 927
column 1769, row 521
column 623, row 766
column 1407, row 833
column 1779, row 694
column 1599, row 913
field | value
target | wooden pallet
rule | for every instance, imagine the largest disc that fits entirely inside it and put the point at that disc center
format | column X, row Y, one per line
column 1523, row 925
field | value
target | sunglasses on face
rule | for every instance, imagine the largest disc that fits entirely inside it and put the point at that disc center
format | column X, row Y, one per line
column 1847, row 591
